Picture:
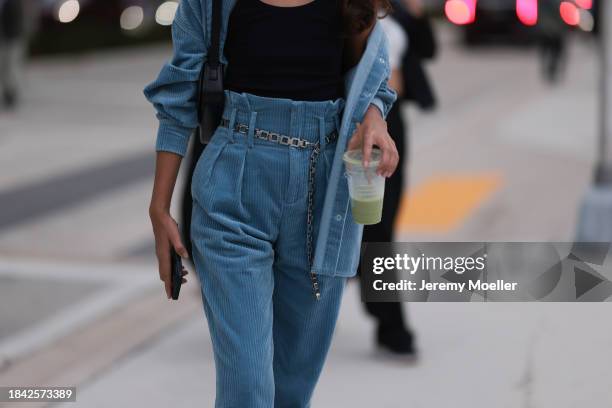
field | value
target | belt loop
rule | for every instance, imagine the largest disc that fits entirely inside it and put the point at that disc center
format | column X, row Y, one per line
column 251, row 133
column 297, row 119
column 232, row 122
column 322, row 132
column 337, row 117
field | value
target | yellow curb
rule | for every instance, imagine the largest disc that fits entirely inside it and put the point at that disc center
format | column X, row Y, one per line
column 444, row 202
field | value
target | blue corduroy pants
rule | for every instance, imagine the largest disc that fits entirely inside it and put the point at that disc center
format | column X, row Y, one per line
column 270, row 335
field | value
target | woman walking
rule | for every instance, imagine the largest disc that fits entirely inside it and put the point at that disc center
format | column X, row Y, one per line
column 272, row 232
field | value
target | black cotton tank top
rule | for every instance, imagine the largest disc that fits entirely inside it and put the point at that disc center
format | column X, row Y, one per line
column 285, row 52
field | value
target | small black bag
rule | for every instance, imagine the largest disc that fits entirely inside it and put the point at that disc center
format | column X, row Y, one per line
column 210, row 110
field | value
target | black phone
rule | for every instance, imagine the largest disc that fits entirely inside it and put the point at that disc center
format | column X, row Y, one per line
column 176, row 280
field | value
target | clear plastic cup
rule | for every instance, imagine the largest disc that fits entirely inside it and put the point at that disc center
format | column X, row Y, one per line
column 366, row 188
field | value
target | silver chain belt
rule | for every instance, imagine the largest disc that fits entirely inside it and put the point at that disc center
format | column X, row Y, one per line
column 312, row 166
column 277, row 137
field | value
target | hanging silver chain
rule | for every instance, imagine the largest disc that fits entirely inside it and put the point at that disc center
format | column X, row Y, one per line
column 312, row 167
column 310, row 216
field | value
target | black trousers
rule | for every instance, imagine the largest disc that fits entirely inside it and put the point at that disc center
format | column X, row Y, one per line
column 389, row 314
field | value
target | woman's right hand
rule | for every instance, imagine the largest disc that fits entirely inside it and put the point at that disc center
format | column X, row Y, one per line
column 166, row 234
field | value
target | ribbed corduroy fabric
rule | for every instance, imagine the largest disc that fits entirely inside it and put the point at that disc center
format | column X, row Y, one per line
column 270, row 335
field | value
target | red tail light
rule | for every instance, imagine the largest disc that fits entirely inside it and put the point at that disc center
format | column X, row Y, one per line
column 527, row 11
column 569, row 13
column 460, row 12
column 584, row 4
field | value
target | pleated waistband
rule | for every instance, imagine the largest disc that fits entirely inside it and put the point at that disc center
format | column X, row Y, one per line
column 309, row 120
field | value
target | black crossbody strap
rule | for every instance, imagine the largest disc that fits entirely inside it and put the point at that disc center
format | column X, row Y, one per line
column 213, row 51
column 210, row 89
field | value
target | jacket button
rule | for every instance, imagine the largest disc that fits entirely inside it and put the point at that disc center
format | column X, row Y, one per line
column 338, row 217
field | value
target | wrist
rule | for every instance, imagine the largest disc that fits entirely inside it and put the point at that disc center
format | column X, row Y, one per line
column 374, row 112
column 158, row 209
column 374, row 116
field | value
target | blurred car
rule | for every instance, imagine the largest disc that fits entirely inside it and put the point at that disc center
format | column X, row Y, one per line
column 497, row 21
column 518, row 21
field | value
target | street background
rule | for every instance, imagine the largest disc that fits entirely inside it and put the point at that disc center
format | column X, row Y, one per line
column 507, row 156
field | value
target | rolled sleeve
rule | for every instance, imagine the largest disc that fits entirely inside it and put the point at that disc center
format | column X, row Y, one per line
column 172, row 138
column 385, row 97
column 380, row 105
column 174, row 92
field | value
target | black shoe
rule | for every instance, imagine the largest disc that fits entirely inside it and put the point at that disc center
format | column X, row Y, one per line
column 398, row 341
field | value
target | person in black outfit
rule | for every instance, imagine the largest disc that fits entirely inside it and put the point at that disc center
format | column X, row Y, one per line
column 12, row 41
column 392, row 333
column 552, row 40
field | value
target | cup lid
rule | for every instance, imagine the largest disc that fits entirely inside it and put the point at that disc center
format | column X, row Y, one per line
column 355, row 157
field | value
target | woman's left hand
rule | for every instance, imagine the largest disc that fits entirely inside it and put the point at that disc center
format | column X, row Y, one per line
column 373, row 131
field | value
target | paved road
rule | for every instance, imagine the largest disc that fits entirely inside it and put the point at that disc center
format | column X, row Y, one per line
column 506, row 157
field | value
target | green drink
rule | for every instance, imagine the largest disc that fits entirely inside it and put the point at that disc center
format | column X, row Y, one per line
column 366, row 188
column 367, row 212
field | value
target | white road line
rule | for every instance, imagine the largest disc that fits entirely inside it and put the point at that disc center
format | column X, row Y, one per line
column 122, row 283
